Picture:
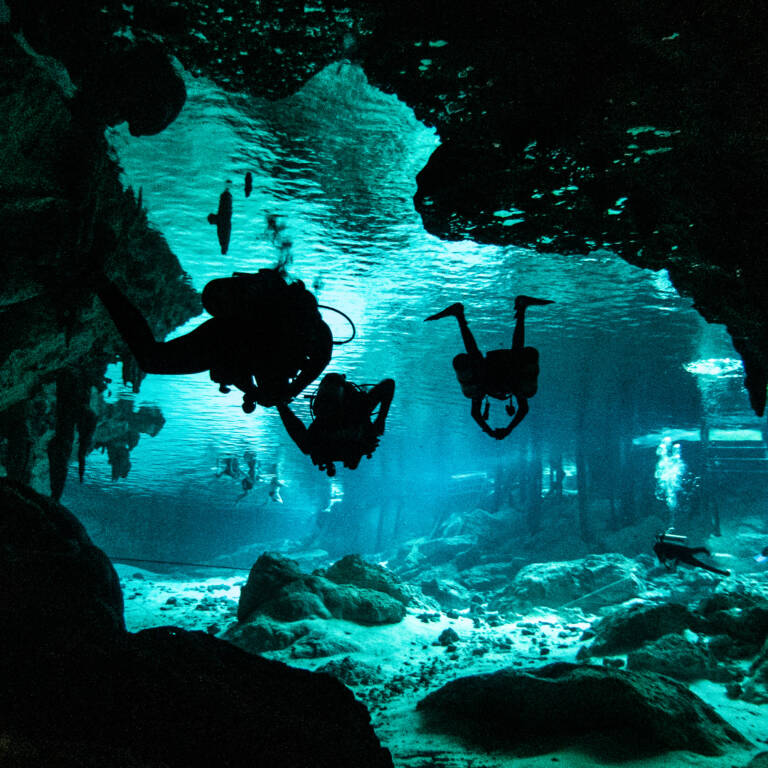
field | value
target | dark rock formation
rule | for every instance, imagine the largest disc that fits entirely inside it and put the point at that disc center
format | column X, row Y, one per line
column 630, row 627
column 742, row 617
column 57, row 590
column 758, row 761
column 755, row 687
column 78, row 690
column 351, row 672
column 544, row 709
column 65, row 217
column 677, row 657
column 277, row 588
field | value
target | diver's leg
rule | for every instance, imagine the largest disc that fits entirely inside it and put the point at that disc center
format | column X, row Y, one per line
column 711, row 568
column 190, row 353
column 457, row 310
column 521, row 303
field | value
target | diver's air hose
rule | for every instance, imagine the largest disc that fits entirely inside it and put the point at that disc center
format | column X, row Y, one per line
column 347, row 318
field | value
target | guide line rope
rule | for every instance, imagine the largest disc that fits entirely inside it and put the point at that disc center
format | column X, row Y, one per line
column 173, row 562
column 596, row 591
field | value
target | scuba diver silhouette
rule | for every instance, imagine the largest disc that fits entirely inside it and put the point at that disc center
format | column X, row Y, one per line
column 501, row 373
column 670, row 547
column 223, row 218
column 266, row 337
column 341, row 429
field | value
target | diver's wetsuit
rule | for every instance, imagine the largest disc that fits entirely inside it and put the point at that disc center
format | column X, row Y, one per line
column 679, row 553
column 342, row 429
column 262, row 329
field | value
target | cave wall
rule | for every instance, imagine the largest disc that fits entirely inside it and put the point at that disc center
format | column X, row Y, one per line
column 65, row 218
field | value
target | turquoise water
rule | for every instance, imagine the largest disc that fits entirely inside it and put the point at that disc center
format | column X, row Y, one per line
column 337, row 164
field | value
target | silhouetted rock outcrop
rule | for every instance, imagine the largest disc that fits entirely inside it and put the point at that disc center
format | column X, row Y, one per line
column 541, row 710
column 79, row 690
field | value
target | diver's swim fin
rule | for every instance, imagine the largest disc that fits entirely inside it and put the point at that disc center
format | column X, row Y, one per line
column 521, row 302
column 455, row 309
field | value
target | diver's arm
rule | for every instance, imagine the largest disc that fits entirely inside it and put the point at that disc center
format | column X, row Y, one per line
column 294, row 427
column 316, row 363
column 521, row 413
column 477, row 415
column 381, row 395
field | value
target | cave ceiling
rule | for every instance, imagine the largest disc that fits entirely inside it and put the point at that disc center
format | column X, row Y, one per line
column 636, row 126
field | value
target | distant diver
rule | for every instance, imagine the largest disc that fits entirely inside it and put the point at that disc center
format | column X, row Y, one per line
column 248, row 184
column 228, row 466
column 669, row 548
column 501, row 373
column 275, row 484
column 266, row 337
column 251, row 476
column 762, row 556
column 223, row 219
column 341, row 429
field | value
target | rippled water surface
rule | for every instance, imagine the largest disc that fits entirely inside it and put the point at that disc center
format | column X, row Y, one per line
column 336, row 163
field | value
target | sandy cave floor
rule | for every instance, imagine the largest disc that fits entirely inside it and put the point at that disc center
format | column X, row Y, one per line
column 406, row 664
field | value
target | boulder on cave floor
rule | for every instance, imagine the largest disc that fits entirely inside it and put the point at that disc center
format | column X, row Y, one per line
column 276, row 587
column 755, row 686
column 603, row 710
column 630, row 626
column 589, row 582
column 679, row 657
column 355, row 571
column 739, row 611
column 56, row 587
column 181, row 699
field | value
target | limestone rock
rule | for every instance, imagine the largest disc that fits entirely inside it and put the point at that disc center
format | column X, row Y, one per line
column 277, row 587
column 629, row 627
column 743, row 616
column 363, row 606
column 448, row 593
column 317, row 644
column 262, row 634
column 593, row 580
column 678, row 657
column 755, row 687
column 351, row 672
column 516, row 709
column 352, row 569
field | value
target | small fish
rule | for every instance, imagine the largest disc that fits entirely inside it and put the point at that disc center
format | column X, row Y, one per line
column 248, row 184
column 223, row 219
column 763, row 556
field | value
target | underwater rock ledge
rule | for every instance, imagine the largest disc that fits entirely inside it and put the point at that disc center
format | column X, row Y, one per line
column 80, row 690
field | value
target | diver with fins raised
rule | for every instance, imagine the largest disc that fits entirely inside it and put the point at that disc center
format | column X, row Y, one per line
column 223, row 218
column 343, row 427
column 670, row 548
column 501, row 373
